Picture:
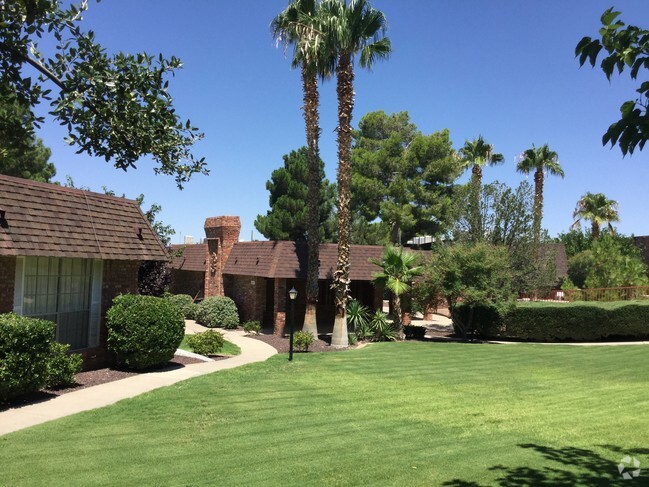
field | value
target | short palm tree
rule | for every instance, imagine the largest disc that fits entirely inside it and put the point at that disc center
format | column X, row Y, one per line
column 351, row 29
column 539, row 160
column 598, row 209
column 399, row 268
column 297, row 26
column 475, row 155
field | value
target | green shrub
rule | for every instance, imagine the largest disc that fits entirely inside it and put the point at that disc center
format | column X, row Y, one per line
column 414, row 332
column 185, row 303
column 358, row 319
column 381, row 330
column 25, row 351
column 252, row 327
column 583, row 321
column 209, row 342
column 62, row 366
column 352, row 338
column 302, row 340
column 218, row 312
column 143, row 331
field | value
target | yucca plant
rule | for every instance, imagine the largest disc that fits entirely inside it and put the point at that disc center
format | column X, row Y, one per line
column 381, row 329
column 358, row 318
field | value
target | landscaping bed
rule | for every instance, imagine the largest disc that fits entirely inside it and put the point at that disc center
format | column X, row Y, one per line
column 281, row 344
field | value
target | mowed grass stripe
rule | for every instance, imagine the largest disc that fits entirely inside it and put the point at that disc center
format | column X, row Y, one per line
column 388, row 414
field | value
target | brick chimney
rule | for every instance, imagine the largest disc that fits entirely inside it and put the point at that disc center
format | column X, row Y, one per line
column 222, row 233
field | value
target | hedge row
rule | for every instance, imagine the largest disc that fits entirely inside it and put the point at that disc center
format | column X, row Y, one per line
column 561, row 321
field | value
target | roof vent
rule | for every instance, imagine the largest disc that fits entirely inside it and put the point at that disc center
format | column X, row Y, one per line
column 138, row 232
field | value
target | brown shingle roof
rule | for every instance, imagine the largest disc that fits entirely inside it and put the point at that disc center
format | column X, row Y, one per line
column 191, row 258
column 289, row 260
column 48, row 220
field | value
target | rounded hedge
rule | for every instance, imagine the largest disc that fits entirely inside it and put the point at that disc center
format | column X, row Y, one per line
column 25, row 353
column 144, row 331
column 185, row 303
column 209, row 342
column 218, row 312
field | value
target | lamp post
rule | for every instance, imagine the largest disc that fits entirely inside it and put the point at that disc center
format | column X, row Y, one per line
column 292, row 294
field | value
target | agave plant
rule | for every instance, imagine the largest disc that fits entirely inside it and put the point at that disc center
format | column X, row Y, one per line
column 358, row 319
column 381, row 329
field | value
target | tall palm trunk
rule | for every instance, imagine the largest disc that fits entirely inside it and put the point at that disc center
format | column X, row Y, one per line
column 311, row 118
column 594, row 230
column 395, row 233
column 475, row 225
column 538, row 203
column 345, row 90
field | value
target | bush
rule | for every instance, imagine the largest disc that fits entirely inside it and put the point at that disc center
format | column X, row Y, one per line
column 185, row 303
column 566, row 321
column 302, row 340
column 25, row 352
column 358, row 319
column 252, row 327
column 143, row 331
column 380, row 329
column 62, row 366
column 414, row 332
column 218, row 312
column 209, row 342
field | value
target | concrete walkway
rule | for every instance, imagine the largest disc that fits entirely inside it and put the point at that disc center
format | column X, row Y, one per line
column 105, row 394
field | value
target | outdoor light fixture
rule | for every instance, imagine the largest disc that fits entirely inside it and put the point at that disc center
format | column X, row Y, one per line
column 292, row 294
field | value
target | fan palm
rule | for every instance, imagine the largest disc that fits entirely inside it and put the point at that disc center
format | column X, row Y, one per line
column 297, row 26
column 598, row 209
column 539, row 160
column 475, row 154
column 399, row 268
column 351, row 29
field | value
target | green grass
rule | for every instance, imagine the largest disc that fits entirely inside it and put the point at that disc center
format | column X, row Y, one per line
column 388, row 414
column 229, row 348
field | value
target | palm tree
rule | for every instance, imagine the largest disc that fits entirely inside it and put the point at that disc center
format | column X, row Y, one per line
column 475, row 154
column 399, row 268
column 350, row 29
column 296, row 26
column 539, row 159
column 598, row 209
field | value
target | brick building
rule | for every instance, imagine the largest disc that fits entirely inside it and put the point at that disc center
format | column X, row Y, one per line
column 66, row 253
column 258, row 275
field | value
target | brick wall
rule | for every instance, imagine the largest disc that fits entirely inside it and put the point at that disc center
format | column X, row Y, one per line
column 7, row 278
column 222, row 232
column 119, row 277
column 187, row 282
column 249, row 293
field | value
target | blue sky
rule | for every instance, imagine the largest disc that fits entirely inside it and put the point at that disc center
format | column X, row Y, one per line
column 501, row 68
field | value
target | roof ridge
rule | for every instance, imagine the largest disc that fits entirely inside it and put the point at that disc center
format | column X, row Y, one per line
column 62, row 189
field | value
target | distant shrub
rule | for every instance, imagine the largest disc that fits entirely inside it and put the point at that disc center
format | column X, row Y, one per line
column 62, row 366
column 414, row 332
column 144, row 331
column 302, row 340
column 25, row 352
column 582, row 321
column 252, row 327
column 209, row 342
column 218, row 312
column 185, row 303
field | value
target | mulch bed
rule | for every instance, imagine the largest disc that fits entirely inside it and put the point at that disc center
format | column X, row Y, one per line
column 95, row 378
column 281, row 344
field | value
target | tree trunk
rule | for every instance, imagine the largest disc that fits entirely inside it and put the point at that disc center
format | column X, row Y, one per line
column 475, row 225
column 594, row 230
column 311, row 119
column 538, row 203
column 398, row 316
column 345, row 89
column 395, row 234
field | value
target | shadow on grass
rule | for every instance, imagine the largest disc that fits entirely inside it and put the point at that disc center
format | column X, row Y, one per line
column 569, row 467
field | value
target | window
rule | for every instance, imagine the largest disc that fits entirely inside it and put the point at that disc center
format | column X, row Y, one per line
column 63, row 290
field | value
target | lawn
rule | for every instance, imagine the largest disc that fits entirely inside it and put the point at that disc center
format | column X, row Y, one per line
column 229, row 348
column 388, row 414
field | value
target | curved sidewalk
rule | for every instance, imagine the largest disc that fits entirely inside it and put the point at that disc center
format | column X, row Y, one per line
column 105, row 394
